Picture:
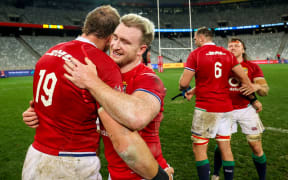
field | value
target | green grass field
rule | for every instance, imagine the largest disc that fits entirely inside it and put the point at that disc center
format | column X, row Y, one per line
column 15, row 94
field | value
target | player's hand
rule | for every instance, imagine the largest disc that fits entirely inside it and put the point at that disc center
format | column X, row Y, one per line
column 247, row 89
column 30, row 117
column 257, row 105
column 189, row 94
column 170, row 172
column 80, row 74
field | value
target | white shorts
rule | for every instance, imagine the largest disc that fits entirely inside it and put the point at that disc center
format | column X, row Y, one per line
column 208, row 124
column 41, row 166
column 248, row 119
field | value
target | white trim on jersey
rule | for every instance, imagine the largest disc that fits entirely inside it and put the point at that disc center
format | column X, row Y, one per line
column 190, row 69
column 79, row 38
column 77, row 154
column 210, row 43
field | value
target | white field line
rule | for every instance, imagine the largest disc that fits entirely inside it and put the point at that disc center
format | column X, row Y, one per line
column 277, row 129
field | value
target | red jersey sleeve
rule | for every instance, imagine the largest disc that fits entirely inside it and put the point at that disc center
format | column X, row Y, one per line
column 257, row 72
column 149, row 82
column 191, row 63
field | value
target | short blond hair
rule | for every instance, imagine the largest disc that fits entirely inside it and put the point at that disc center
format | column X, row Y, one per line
column 102, row 21
column 141, row 23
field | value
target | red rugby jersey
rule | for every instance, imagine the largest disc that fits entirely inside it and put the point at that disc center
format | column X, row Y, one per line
column 238, row 100
column 212, row 66
column 141, row 78
column 66, row 113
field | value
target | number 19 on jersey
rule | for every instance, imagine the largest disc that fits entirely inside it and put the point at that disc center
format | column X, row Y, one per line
column 48, row 91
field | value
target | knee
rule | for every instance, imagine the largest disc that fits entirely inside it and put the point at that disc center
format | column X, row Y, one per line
column 198, row 141
column 194, row 149
column 257, row 150
column 255, row 144
column 226, row 152
column 253, row 137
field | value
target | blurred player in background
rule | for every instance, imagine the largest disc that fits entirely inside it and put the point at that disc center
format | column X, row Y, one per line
column 146, row 57
column 66, row 140
column 141, row 108
column 244, row 114
column 211, row 65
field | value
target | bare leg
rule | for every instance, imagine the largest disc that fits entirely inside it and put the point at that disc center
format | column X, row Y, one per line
column 202, row 163
column 227, row 158
column 256, row 147
column 259, row 158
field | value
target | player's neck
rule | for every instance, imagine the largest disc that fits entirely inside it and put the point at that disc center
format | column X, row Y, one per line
column 240, row 59
column 100, row 43
column 128, row 67
column 206, row 42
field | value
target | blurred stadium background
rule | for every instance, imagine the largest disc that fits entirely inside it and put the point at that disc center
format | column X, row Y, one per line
column 28, row 28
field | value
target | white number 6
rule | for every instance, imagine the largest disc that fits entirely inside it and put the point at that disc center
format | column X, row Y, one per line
column 218, row 70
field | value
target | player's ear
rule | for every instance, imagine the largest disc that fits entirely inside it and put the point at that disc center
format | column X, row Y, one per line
column 108, row 39
column 143, row 48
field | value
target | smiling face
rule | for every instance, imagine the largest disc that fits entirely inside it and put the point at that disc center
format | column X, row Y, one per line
column 125, row 46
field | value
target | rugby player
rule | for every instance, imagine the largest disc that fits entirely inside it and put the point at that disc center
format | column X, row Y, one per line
column 211, row 65
column 141, row 107
column 146, row 58
column 66, row 141
column 244, row 114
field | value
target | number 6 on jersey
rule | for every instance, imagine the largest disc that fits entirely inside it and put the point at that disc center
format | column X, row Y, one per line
column 48, row 91
column 218, row 70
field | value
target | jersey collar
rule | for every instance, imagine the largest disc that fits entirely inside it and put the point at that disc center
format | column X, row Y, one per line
column 210, row 43
column 82, row 39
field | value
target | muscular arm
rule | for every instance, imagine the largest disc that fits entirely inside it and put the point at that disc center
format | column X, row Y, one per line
column 185, row 79
column 130, row 147
column 246, row 87
column 133, row 111
column 261, row 86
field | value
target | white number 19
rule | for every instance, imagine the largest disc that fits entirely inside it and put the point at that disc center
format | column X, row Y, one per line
column 48, row 91
column 218, row 70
